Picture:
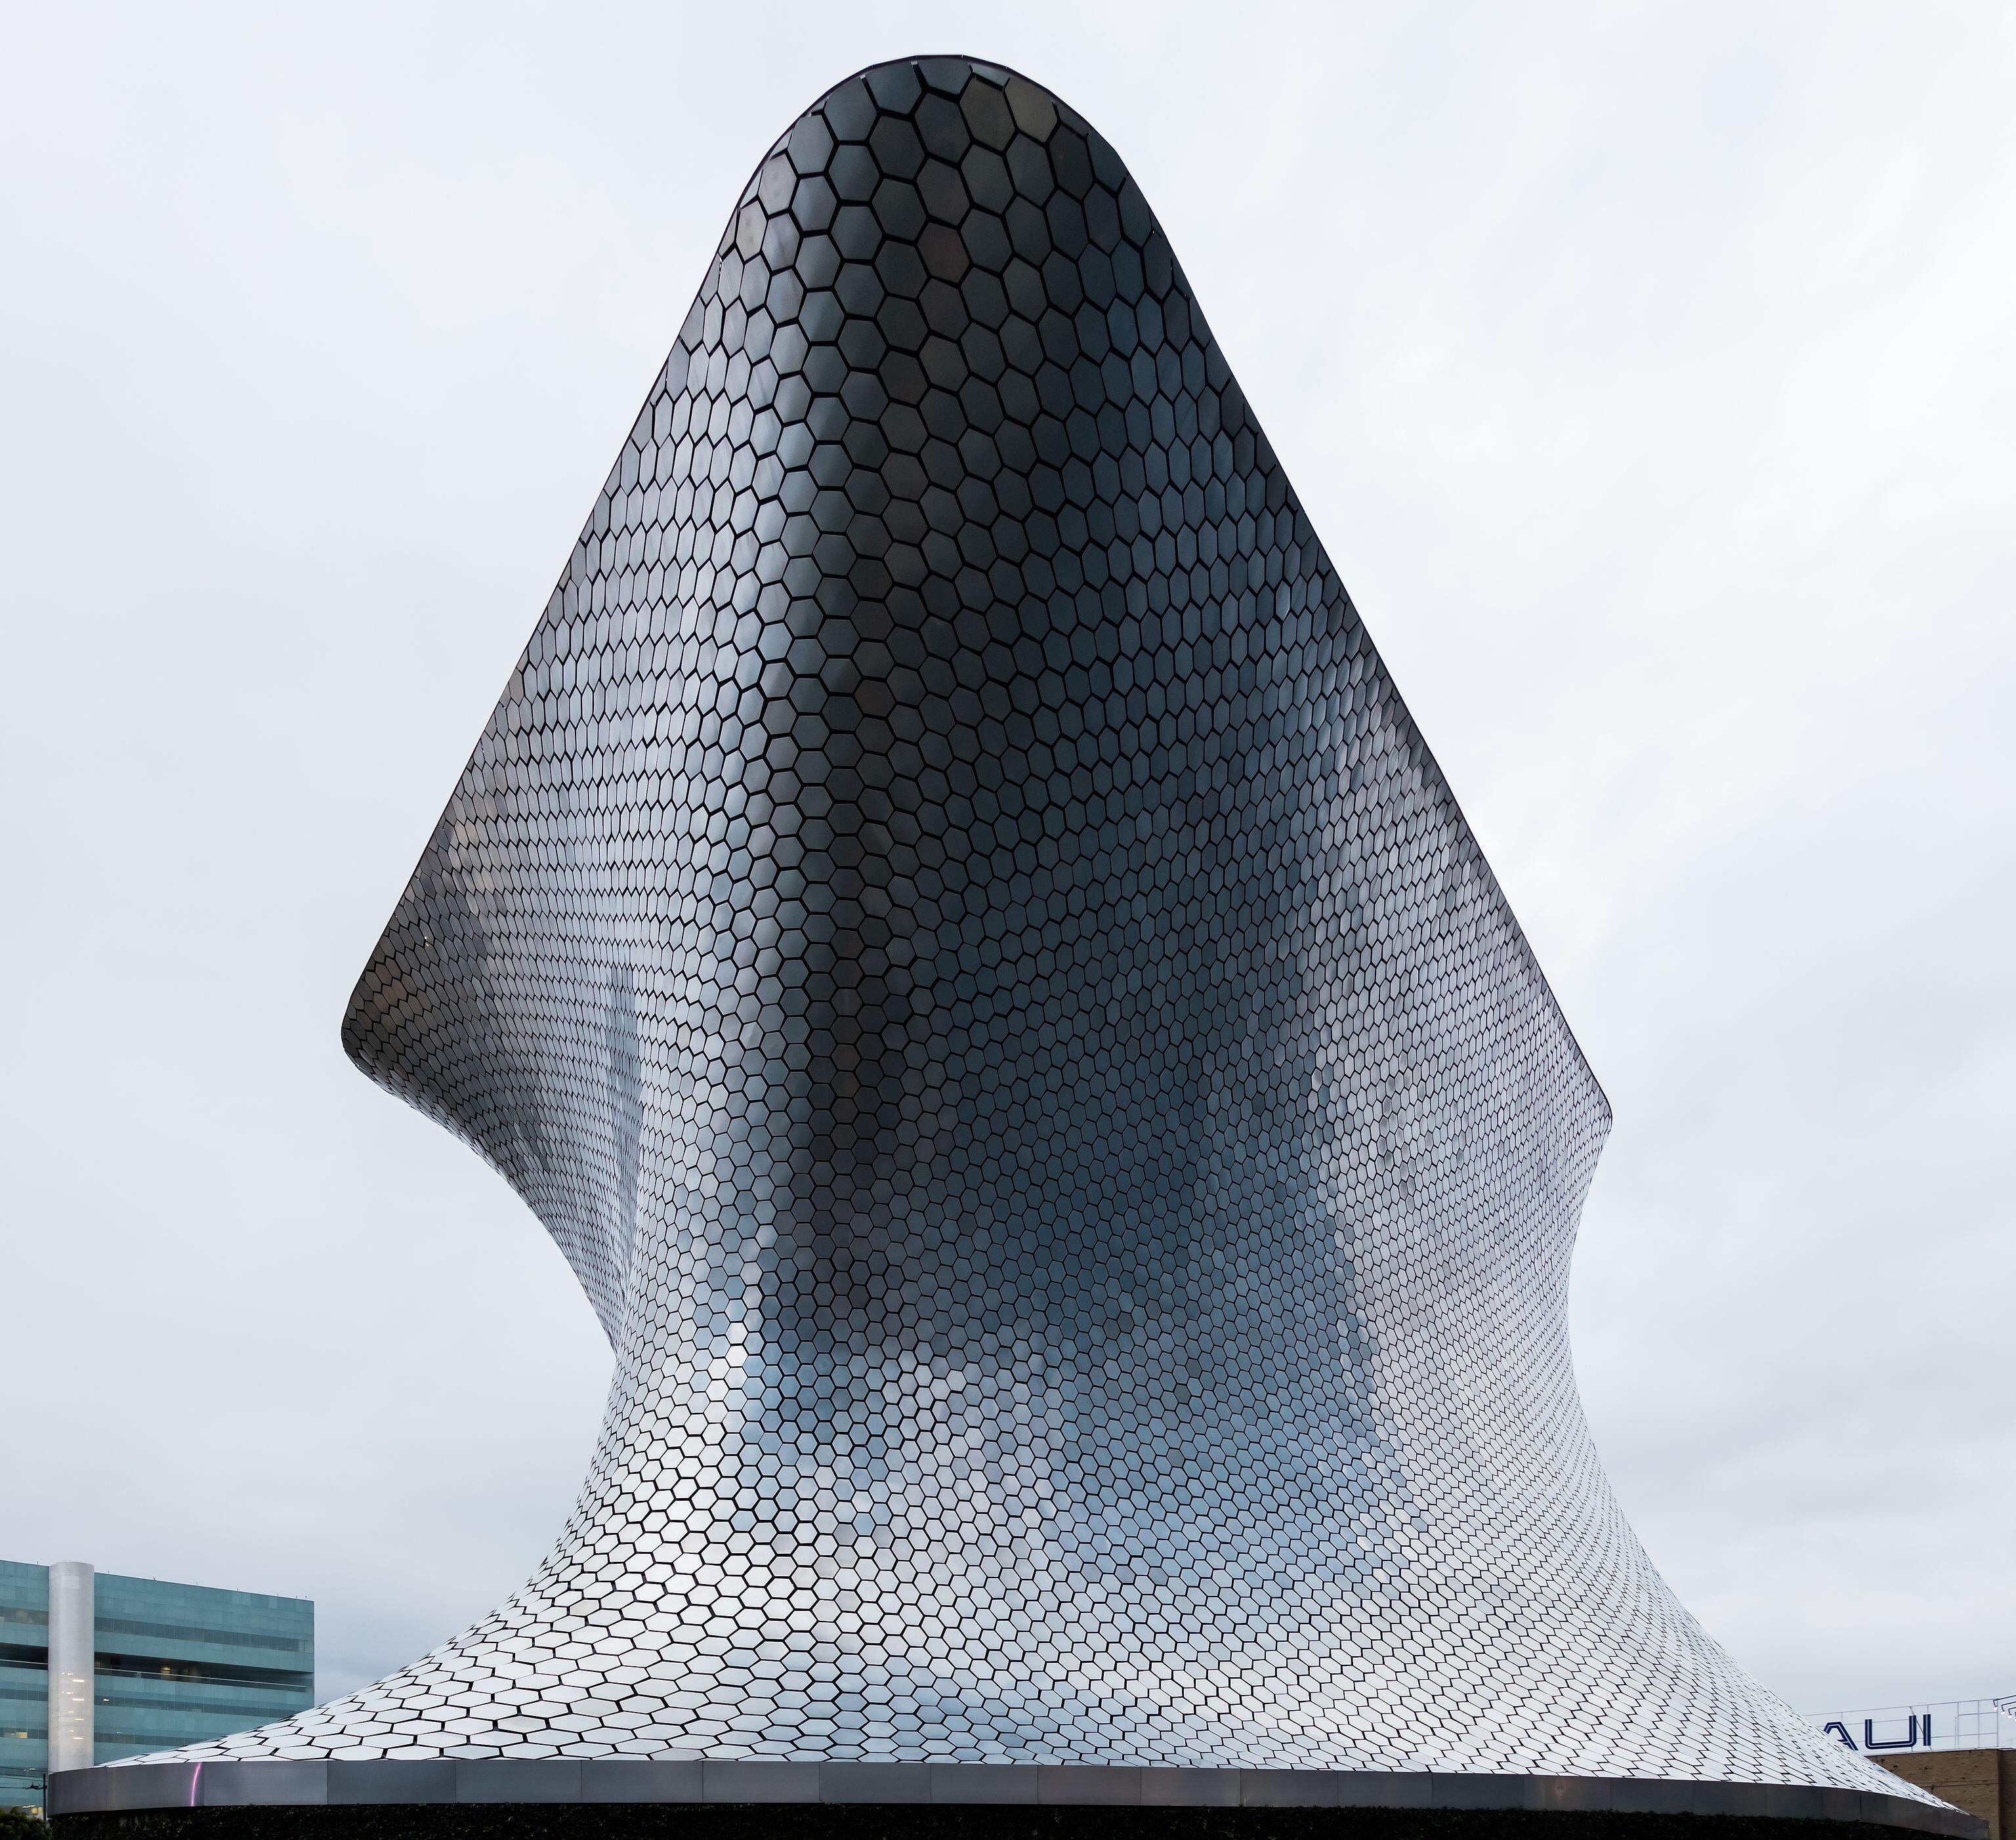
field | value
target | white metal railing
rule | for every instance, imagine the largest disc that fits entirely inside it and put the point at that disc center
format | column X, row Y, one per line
column 1927, row 1725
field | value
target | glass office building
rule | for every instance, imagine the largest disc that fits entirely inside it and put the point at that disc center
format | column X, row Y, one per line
column 170, row 1664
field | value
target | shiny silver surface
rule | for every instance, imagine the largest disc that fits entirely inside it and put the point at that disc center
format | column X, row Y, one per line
column 952, row 929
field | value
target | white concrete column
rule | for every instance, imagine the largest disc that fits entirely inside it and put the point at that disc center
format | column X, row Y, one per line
column 73, row 1639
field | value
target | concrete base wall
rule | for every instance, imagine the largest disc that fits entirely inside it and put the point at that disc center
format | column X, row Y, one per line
column 698, row 1784
column 663, row 1820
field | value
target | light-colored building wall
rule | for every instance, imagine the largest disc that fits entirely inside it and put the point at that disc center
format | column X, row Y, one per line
column 72, row 1625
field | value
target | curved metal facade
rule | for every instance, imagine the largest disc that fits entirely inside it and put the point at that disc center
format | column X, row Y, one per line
column 953, row 930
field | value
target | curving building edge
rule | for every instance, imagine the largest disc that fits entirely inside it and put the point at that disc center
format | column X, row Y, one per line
column 952, row 930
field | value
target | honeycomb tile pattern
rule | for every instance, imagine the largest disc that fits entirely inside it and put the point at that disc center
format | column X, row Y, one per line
column 953, row 930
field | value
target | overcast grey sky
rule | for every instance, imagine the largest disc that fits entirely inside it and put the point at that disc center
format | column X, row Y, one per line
column 1647, row 370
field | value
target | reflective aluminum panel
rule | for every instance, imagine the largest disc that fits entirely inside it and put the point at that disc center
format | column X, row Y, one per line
column 954, row 931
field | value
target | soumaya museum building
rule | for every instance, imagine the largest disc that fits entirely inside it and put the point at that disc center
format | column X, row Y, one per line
column 952, row 929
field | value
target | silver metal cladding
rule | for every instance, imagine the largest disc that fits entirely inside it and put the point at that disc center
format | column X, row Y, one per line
column 953, row 930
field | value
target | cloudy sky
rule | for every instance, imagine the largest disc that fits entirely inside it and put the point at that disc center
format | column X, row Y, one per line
column 1647, row 371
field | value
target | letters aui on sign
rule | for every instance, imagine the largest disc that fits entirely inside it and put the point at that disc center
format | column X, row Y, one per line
column 1916, row 1735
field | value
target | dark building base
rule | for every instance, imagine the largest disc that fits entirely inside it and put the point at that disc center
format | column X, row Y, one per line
column 662, row 1821
column 566, row 1798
